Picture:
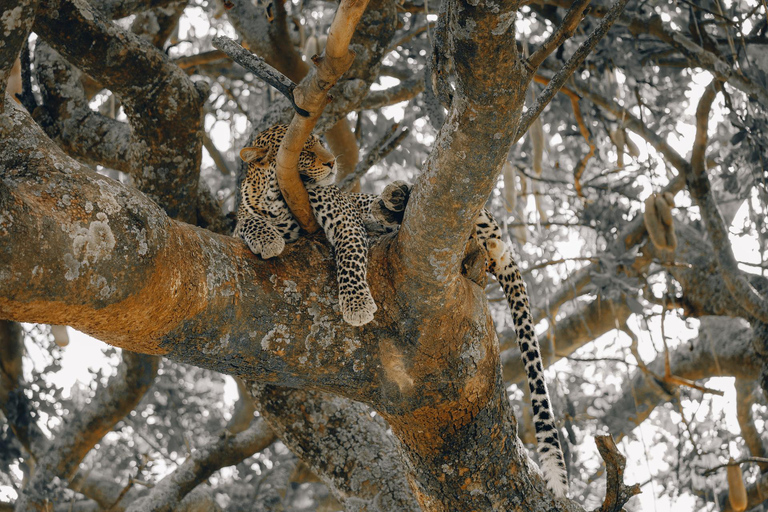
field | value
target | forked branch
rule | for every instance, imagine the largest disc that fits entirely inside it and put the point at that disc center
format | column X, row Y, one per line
column 617, row 493
column 566, row 29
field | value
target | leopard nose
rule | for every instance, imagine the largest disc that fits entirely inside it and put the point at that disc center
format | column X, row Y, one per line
column 330, row 164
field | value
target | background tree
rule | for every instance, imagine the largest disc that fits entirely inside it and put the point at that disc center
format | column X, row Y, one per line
column 113, row 220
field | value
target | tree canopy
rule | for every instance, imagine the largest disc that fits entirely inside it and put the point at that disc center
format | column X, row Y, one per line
column 621, row 145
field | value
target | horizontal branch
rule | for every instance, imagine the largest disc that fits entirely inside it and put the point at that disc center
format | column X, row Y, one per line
column 723, row 348
column 404, row 91
column 118, row 255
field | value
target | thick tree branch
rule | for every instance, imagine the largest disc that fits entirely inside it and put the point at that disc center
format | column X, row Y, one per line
column 558, row 80
column 68, row 119
column 698, row 183
column 466, row 158
column 163, row 106
column 17, row 16
column 360, row 462
column 227, row 451
column 83, row 429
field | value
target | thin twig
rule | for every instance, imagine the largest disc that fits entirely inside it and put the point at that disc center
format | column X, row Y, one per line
column 758, row 460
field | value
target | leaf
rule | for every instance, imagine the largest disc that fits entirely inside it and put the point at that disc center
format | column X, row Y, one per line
column 738, row 137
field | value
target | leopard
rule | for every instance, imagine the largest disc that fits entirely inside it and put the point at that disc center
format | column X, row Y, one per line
column 266, row 224
column 501, row 264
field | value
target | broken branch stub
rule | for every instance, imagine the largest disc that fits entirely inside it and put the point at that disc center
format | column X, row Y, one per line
column 312, row 95
column 617, row 493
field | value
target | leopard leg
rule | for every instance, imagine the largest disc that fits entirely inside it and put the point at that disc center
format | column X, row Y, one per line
column 503, row 266
column 262, row 237
column 344, row 228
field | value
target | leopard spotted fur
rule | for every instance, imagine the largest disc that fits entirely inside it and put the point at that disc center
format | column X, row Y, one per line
column 266, row 224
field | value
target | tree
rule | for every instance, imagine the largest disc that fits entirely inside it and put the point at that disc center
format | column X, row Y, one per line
column 145, row 262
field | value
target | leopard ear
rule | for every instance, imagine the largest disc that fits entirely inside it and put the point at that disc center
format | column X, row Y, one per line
column 256, row 155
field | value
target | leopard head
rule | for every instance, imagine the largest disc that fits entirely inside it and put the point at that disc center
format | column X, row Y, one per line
column 316, row 163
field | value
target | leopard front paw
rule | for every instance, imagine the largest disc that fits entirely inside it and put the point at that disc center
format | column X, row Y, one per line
column 357, row 308
column 272, row 248
column 266, row 248
column 389, row 207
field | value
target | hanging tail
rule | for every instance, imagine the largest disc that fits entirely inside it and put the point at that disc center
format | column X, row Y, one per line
column 503, row 266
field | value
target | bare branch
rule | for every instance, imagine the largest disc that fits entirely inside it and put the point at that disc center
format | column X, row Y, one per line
column 617, row 493
column 379, row 151
column 404, row 91
column 218, row 159
column 744, row 402
column 697, row 55
column 724, row 347
column 566, row 29
column 759, row 460
column 698, row 183
column 569, row 67
column 205, row 461
column 260, row 68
